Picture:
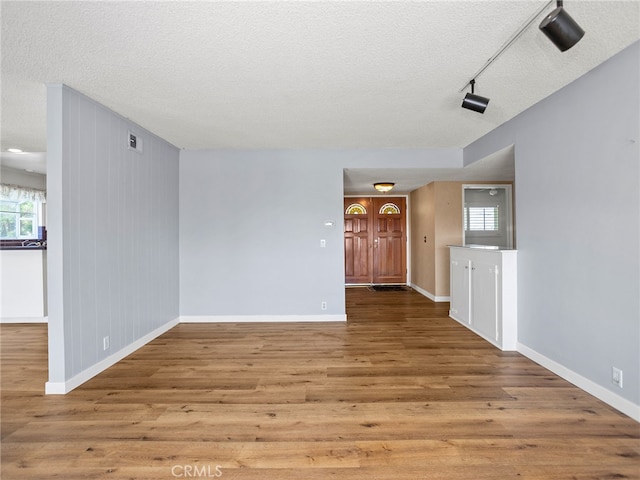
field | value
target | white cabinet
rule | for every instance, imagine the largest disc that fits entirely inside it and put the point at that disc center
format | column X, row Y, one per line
column 484, row 293
column 22, row 285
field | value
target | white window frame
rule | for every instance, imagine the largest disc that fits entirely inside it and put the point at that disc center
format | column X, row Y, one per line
column 19, row 217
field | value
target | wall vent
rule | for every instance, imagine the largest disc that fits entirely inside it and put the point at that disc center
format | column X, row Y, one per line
column 134, row 142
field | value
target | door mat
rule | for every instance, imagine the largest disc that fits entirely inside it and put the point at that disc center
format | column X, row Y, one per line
column 389, row 288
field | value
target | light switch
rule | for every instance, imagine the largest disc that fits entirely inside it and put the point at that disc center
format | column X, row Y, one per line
column 323, row 243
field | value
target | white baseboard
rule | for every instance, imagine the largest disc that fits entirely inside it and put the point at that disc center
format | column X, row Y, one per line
column 61, row 388
column 430, row 295
column 260, row 318
column 607, row 396
column 24, row 319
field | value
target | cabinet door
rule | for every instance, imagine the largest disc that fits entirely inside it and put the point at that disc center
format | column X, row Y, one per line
column 460, row 291
column 484, row 298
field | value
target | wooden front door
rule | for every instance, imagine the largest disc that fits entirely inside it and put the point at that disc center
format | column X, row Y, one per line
column 375, row 240
column 358, row 241
column 389, row 243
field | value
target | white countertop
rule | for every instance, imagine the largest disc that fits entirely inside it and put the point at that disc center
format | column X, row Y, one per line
column 481, row 247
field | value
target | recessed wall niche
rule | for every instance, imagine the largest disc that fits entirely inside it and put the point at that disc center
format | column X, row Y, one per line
column 487, row 215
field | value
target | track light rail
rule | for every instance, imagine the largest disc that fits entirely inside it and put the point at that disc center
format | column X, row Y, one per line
column 508, row 43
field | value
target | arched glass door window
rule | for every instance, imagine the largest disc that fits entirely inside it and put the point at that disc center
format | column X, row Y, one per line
column 389, row 209
column 356, row 209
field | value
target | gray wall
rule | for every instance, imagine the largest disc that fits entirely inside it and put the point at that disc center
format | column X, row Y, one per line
column 578, row 231
column 13, row 176
column 113, row 233
column 251, row 224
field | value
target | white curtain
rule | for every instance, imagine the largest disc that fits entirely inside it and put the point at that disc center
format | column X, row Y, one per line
column 16, row 193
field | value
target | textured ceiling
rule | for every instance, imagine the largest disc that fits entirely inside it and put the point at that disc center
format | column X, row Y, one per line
column 294, row 74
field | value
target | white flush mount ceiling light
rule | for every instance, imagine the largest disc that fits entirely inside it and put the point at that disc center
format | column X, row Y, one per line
column 14, row 150
column 561, row 29
column 383, row 187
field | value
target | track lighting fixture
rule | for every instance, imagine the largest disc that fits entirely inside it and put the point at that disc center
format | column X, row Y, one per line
column 561, row 29
column 474, row 102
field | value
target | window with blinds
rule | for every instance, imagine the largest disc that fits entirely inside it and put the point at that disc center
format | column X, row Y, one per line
column 481, row 219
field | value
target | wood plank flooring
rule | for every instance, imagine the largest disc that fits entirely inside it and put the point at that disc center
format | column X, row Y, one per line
column 399, row 392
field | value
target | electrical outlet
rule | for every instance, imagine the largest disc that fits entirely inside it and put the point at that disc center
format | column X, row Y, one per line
column 323, row 305
column 105, row 343
column 616, row 376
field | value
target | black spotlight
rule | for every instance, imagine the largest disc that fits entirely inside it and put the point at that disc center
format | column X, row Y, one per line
column 561, row 29
column 475, row 102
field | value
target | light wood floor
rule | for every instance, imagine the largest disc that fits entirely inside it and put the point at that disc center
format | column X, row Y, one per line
column 399, row 392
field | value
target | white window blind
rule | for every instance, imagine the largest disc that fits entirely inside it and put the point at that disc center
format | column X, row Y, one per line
column 482, row 219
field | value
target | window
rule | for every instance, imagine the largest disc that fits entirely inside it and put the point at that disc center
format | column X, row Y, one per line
column 20, row 212
column 482, row 219
column 389, row 209
column 18, row 220
column 356, row 209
